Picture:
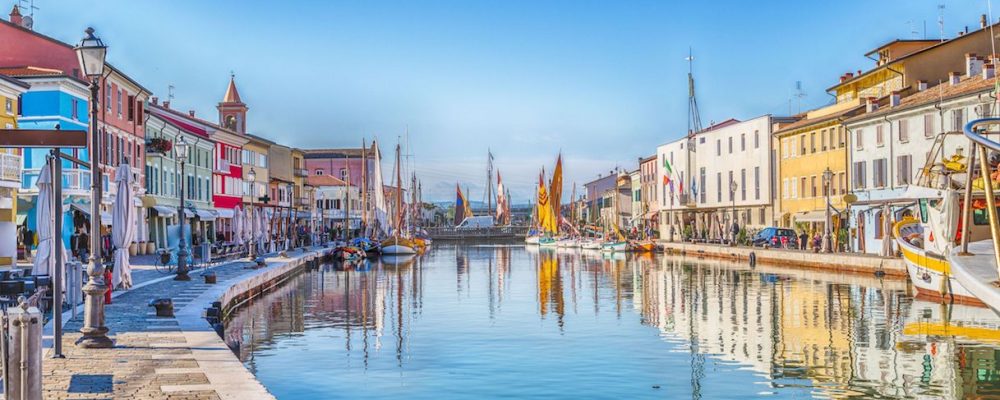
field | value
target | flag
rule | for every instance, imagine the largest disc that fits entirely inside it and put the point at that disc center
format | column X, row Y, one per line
column 666, row 167
column 501, row 201
column 666, row 180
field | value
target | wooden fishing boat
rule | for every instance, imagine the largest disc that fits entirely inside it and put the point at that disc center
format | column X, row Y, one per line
column 547, row 242
column 646, row 246
column 398, row 245
column 614, row 247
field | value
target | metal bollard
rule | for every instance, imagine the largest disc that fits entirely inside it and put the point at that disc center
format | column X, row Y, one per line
column 24, row 354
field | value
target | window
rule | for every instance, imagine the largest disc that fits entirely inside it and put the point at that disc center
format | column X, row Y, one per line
column 928, row 125
column 743, row 142
column 812, row 181
column 718, row 184
column 957, row 119
column 904, row 165
column 763, row 216
column 802, row 144
column 730, row 145
column 702, row 185
column 9, row 106
column 756, row 183
column 743, row 184
column 822, row 140
column 343, row 174
column 795, row 147
column 833, row 137
column 878, row 173
column 795, row 187
column 131, row 108
column 75, row 112
column 718, row 147
column 107, row 95
column 732, row 190
column 842, row 182
column 858, row 174
column 756, row 139
column 784, row 148
column 841, row 142
column 879, row 136
column 904, row 131
column 785, row 188
column 812, row 142
column 858, row 139
column 119, row 102
column 802, row 185
column 138, row 117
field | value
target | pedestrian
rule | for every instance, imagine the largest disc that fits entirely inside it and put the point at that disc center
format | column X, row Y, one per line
column 803, row 240
column 736, row 232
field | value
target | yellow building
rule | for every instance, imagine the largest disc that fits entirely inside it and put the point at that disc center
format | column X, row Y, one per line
column 256, row 159
column 806, row 149
column 302, row 196
column 10, row 170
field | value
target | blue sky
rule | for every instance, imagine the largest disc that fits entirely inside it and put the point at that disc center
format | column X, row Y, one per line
column 602, row 81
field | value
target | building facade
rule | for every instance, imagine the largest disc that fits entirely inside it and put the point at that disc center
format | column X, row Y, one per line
column 10, row 169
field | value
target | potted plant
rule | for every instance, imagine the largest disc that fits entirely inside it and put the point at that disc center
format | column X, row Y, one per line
column 159, row 145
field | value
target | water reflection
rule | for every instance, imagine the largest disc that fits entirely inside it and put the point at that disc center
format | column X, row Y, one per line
column 472, row 321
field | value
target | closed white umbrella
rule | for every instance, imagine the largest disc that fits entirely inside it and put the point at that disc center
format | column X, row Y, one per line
column 258, row 231
column 123, row 227
column 45, row 258
column 248, row 226
column 237, row 225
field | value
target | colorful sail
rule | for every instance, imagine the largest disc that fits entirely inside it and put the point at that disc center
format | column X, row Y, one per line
column 546, row 219
column 462, row 207
column 502, row 213
column 555, row 193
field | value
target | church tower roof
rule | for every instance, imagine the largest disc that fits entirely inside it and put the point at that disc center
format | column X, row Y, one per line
column 232, row 95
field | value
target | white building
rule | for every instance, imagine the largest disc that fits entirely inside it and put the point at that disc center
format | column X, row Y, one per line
column 891, row 143
column 721, row 173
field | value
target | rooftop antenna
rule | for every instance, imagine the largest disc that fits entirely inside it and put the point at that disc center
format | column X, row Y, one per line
column 28, row 21
column 170, row 92
column 799, row 94
column 941, row 20
column 913, row 30
column 694, row 118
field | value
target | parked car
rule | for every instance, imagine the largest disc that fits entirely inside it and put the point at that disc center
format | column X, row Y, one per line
column 776, row 237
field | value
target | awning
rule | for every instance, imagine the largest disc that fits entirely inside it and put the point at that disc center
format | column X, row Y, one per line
column 225, row 212
column 205, row 215
column 811, row 216
column 105, row 216
column 165, row 211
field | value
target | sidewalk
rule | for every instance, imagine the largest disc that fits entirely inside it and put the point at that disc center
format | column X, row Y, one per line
column 159, row 358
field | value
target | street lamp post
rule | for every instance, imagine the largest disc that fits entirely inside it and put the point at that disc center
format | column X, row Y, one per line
column 288, row 224
column 732, row 198
column 181, row 154
column 322, row 219
column 827, row 237
column 91, row 53
column 253, row 248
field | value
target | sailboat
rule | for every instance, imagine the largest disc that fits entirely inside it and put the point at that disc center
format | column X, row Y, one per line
column 619, row 244
column 397, row 244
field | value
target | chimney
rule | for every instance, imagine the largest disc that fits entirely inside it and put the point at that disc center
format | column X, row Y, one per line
column 859, row 72
column 988, row 71
column 15, row 16
column 921, row 86
column 871, row 104
column 166, row 104
column 155, row 100
column 843, row 78
column 191, row 113
column 982, row 20
column 973, row 65
column 954, row 78
column 894, row 99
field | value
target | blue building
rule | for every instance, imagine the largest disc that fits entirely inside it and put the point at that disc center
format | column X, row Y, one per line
column 53, row 101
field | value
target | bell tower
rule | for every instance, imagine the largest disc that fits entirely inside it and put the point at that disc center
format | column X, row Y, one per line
column 232, row 110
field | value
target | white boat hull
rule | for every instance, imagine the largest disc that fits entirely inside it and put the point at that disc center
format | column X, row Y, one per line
column 614, row 247
column 398, row 249
column 531, row 240
column 929, row 273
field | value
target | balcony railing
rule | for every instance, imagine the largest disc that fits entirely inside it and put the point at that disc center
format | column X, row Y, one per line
column 72, row 179
column 10, row 167
column 301, row 172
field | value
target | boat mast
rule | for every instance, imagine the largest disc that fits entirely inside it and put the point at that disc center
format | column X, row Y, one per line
column 364, row 186
column 399, row 194
column 347, row 198
column 489, row 181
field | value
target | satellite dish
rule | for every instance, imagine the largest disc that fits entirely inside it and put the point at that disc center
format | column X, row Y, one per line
column 27, row 21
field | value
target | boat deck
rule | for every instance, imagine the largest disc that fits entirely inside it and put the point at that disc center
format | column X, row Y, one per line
column 978, row 272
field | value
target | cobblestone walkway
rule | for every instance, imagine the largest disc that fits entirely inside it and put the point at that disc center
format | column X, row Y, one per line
column 153, row 357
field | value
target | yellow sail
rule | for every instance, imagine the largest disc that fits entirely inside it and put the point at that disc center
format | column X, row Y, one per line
column 546, row 219
column 555, row 193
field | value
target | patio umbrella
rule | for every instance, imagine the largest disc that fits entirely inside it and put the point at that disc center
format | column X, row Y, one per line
column 123, row 227
column 248, row 227
column 237, row 225
column 45, row 258
column 259, row 225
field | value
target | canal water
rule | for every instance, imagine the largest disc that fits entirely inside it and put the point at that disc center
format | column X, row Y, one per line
column 468, row 321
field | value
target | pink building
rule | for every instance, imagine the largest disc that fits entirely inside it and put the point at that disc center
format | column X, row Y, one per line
column 344, row 164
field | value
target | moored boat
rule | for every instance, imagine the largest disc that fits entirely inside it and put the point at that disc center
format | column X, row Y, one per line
column 614, row 247
column 532, row 239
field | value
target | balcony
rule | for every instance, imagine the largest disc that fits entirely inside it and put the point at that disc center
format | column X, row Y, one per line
column 301, row 172
column 10, row 170
column 222, row 166
column 74, row 181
